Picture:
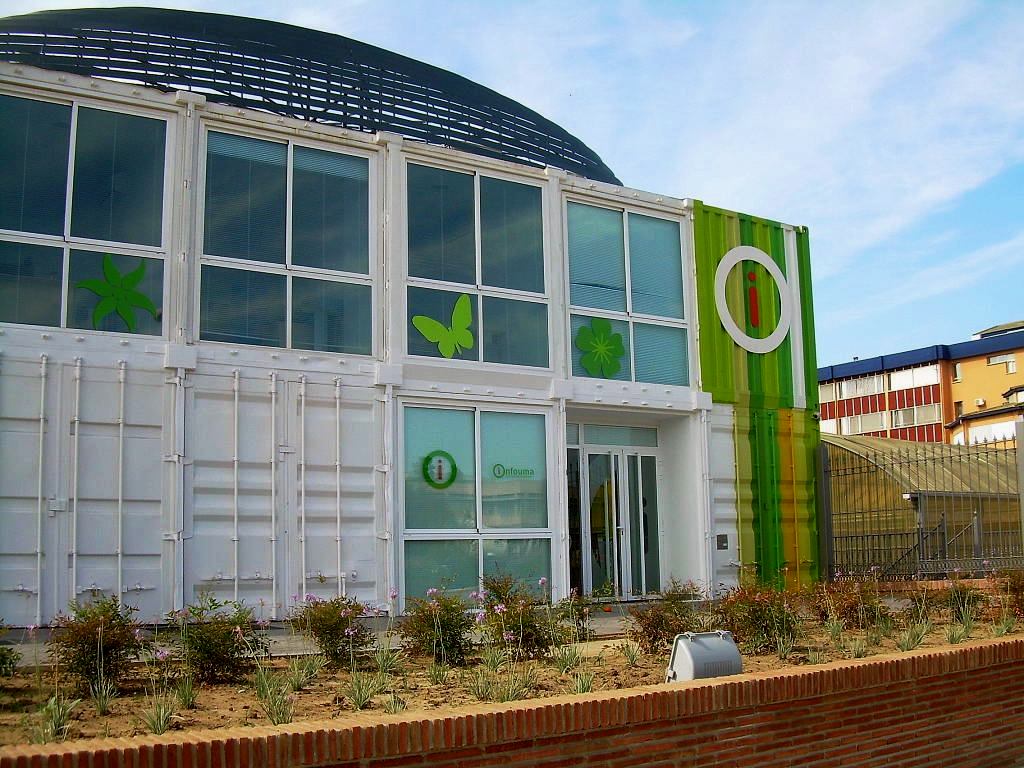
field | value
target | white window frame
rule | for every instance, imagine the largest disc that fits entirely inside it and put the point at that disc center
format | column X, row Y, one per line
column 67, row 242
column 629, row 317
column 288, row 269
column 478, row 288
column 1009, row 359
column 917, row 418
column 552, row 532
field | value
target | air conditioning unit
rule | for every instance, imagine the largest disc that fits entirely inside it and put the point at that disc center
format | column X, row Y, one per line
column 980, row 402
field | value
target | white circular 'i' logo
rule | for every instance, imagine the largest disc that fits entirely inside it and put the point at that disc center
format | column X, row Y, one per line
column 749, row 343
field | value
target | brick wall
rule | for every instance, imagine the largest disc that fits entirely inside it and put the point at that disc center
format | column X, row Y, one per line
column 961, row 707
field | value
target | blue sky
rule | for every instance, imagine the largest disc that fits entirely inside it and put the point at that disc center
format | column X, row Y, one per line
column 894, row 131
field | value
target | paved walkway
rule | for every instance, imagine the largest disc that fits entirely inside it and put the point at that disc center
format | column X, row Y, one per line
column 286, row 642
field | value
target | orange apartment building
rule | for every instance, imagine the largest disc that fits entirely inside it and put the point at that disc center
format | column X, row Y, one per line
column 962, row 393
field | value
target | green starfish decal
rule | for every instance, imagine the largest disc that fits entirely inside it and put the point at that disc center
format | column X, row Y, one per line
column 602, row 349
column 117, row 294
column 453, row 339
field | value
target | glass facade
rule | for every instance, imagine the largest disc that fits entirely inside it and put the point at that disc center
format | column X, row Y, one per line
column 498, row 517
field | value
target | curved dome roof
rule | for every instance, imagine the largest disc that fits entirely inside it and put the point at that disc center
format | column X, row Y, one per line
column 297, row 72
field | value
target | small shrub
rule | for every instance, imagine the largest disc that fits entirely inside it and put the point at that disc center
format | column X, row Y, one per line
column 856, row 604
column 362, row 687
column 394, row 704
column 630, row 652
column 102, row 692
column 481, row 684
column 158, row 716
column 334, row 626
column 302, row 670
column 185, row 692
column 1004, row 625
column 816, row 656
column 923, row 603
column 582, row 682
column 912, row 636
column 834, row 627
column 276, row 699
column 857, row 648
column 573, row 615
column 654, row 626
column 957, row 633
column 9, row 658
column 98, row 640
column 54, row 719
column 964, row 602
column 493, row 657
column 219, row 639
column 567, row 657
column 439, row 626
column 388, row 660
column 1011, row 590
column 517, row 684
column 510, row 615
column 437, row 674
column 760, row 617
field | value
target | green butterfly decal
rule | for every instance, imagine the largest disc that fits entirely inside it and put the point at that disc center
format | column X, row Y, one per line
column 117, row 294
column 449, row 340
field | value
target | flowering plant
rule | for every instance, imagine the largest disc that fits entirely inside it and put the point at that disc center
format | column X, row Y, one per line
column 438, row 626
column 98, row 639
column 334, row 626
column 219, row 639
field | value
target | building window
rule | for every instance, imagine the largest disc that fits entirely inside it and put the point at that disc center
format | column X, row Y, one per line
column 476, row 298
column 914, row 377
column 862, row 387
column 95, row 260
column 1010, row 361
column 957, row 372
column 828, row 426
column 916, row 415
column 626, row 324
column 286, row 246
column 860, row 424
column 475, row 497
column 827, row 392
column 958, row 408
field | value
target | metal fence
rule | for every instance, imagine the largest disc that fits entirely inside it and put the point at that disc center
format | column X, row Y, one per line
column 894, row 509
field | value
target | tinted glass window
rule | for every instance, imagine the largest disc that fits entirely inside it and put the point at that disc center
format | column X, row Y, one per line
column 600, row 348
column 119, row 177
column 114, row 292
column 597, row 258
column 438, row 324
column 440, row 471
column 655, row 266
column 330, row 210
column 514, row 478
column 515, row 332
column 511, row 235
column 661, row 354
column 331, row 317
column 245, row 198
column 242, row 306
column 30, row 283
column 34, row 139
column 442, row 243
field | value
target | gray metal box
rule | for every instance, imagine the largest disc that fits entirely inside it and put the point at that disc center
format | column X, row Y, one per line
column 696, row 655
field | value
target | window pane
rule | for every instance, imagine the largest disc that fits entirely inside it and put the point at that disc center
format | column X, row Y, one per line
column 443, row 330
column 511, row 235
column 634, row 437
column 330, row 210
column 440, row 469
column 112, row 292
column 119, row 177
column 652, row 560
column 514, row 479
column 34, row 139
column 242, row 307
column 453, row 565
column 660, row 354
column 442, row 243
column 572, row 434
column 655, row 266
column 245, row 198
column 515, row 332
column 600, row 348
column 30, row 283
column 597, row 260
column 331, row 317
column 525, row 560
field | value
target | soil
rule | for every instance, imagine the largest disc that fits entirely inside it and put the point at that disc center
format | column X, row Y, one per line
column 227, row 705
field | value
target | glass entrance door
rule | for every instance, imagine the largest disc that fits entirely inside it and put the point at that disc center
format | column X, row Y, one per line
column 618, row 526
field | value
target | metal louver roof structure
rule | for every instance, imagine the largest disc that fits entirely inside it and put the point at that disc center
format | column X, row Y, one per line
column 301, row 73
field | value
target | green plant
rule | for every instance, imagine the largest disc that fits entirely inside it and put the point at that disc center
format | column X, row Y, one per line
column 922, row 604
column 219, row 640
column 438, row 626
column 517, row 684
column 185, row 692
column 912, row 636
column 873, row 636
column 509, row 615
column 334, row 626
column 816, row 656
column 573, row 613
column 388, row 660
column 302, row 670
column 654, row 626
column 834, row 627
column 362, row 688
column 964, row 602
column 394, row 704
column 54, row 719
column 784, row 643
column 158, row 716
column 98, row 639
column 275, row 697
column 481, row 684
column 582, row 682
column 437, row 673
column 857, row 648
column 102, row 691
column 630, row 652
column 957, row 633
column 856, row 604
column 567, row 657
column 9, row 658
column 1004, row 624
column 760, row 617
column 493, row 657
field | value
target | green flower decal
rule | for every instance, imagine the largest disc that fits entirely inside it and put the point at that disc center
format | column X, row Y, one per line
column 453, row 339
column 117, row 294
column 602, row 349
